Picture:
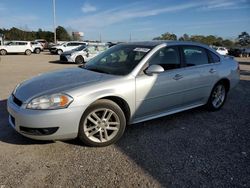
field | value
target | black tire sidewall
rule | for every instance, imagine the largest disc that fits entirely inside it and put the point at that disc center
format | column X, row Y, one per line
column 209, row 104
column 28, row 52
column 4, row 52
column 77, row 59
column 102, row 104
column 37, row 51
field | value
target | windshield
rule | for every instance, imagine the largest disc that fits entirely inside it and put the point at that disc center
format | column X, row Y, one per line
column 80, row 48
column 118, row 60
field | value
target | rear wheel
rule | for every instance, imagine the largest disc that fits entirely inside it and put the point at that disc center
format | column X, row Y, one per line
column 37, row 51
column 3, row 52
column 218, row 97
column 102, row 124
column 79, row 59
column 28, row 52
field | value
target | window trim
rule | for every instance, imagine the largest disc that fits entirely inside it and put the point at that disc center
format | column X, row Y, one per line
column 177, row 47
column 184, row 59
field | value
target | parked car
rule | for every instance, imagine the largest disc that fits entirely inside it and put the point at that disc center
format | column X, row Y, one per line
column 126, row 84
column 37, row 47
column 43, row 42
column 67, row 46
column 16, row 47
column 246, row 52
column 82, row 54
column 236, row 52
column 222, row 50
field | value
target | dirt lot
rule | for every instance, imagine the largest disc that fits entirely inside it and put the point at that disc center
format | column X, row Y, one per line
column 195, row 148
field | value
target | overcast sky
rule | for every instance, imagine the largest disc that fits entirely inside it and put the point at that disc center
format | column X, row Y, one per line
column 144, row 19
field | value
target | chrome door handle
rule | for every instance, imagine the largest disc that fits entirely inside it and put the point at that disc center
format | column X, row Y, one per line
column 212, row 70
column 177, row 77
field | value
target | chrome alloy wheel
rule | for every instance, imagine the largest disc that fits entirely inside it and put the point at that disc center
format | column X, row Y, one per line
column 101, row 125
column 218, row 96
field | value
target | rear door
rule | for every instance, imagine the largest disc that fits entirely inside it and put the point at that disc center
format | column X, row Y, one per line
column 200, row 72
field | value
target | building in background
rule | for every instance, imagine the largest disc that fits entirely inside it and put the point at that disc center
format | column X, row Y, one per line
column 78, row 36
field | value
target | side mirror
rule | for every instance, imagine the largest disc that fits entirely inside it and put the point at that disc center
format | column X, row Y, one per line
column 154, row 69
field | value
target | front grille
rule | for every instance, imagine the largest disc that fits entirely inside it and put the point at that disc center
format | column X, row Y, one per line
column 38, row 131
column 63, row 58
column 17, row 101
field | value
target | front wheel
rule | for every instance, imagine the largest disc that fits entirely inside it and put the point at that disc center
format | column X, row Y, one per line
column 218, row 97
column 3, row 52
column 28, row 52
column 102, row 124
column 79, row 59
column 37, row 51
column 59, row 52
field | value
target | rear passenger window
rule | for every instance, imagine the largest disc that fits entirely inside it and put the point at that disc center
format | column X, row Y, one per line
column 213, row 57
column 195, row 55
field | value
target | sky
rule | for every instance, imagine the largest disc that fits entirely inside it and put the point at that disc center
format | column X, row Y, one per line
column 117, row 20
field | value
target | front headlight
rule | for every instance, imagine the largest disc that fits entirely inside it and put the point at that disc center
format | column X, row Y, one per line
column 50, row 102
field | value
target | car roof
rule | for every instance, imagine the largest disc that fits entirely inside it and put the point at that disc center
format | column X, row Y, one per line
column 18, row 41
column 166, row 42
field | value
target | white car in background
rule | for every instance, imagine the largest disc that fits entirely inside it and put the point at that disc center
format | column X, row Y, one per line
column 67, row 46
column 82, row 54
column 222, row 50
column 16, row 47
column 37, row 47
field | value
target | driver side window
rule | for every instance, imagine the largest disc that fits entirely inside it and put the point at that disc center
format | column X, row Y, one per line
column 167, row 57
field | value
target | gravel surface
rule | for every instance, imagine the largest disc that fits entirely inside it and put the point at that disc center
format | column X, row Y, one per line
column 195, row 148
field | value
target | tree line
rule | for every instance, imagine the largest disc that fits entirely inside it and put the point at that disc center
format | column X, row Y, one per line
column 243, row 39
column 14, row 33
column 18, row 34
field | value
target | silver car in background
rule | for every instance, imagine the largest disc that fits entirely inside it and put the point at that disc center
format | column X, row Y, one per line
column 128, row 83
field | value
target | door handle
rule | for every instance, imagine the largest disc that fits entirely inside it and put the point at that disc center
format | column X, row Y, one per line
column 177, row 77
column 212, row 70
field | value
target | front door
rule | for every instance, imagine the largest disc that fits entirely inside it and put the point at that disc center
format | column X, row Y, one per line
column 161, row 92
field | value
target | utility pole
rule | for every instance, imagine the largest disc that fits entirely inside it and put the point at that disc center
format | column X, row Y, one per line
column 130, row 37
column 54, row 14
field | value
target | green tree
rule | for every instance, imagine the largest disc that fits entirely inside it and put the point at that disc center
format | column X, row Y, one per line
column 166, row 36
column 244, row 39
column 62, row 34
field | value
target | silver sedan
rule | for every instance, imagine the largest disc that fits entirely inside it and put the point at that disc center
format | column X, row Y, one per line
column 128, row 83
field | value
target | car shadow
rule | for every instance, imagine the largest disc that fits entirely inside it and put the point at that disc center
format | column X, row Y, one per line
column 244, row 63
column 62, row 62
column 244, row 72
column 8, row 134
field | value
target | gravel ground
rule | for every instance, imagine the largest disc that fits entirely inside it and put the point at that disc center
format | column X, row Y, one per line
column 195, row 148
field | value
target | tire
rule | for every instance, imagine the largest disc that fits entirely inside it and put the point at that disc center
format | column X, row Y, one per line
column 79, row 59
column 28, row 52
column 3, row 52
column 95, row 129
column 219, row 94
column 59, row 52
column 37, row 51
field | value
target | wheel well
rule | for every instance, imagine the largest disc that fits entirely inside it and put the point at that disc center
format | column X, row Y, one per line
column 122, row 104
column 226, row 82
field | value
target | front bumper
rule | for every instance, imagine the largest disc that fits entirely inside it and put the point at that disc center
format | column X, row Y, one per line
column 65, row 120
column 66, row 58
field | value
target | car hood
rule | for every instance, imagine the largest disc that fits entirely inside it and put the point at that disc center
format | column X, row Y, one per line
column 59, row 81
